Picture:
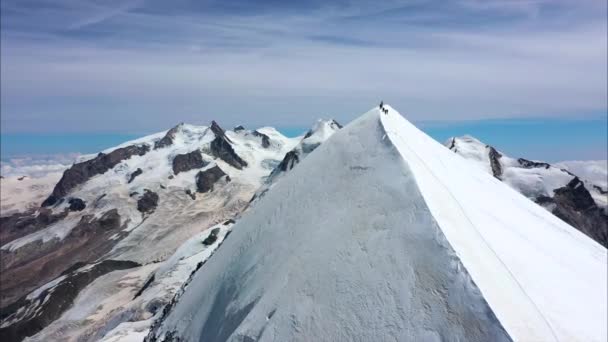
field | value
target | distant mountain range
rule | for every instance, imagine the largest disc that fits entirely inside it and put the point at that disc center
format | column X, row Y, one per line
column 369, row 232
column 580, row 201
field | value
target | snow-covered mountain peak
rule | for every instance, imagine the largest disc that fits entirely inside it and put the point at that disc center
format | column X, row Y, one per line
column 321, row 131
column 582, row 203
column 382, row 233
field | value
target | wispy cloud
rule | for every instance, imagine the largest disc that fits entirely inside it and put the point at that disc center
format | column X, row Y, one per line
column 88, row 65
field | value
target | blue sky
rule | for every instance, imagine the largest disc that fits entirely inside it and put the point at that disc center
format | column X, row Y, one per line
column 124, row 67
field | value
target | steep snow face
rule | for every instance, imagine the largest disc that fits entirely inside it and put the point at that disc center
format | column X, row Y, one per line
column 544, row 280
column 343, row 248
column 574, row 198
column 384, row 234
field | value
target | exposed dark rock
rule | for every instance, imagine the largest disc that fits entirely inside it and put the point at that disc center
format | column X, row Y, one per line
column 239, row 128
column 20, row 224
column 21, row 178
column 206, row 179
column 54, row 301
column 453, row 143
column 575, row 194
column 568, row 172
column 494, row 162
column 528, row 164
column 77, row 265
column 167, row 140
column 170, row 177
column 542, row 200
column 599, row 188
column 212, row 237
column 265, row 138
column 76, row 204
column 307, row 147
column 81, row 172
column 135, row 174
column 148, row 202
column 574, row 204
column 229, row 221
column 221, row 148
column 191, row 194
column 290, row 160
column 162, row 186
column 146, row 285
column 134, row 193
column 188, row 161
column 32, row 265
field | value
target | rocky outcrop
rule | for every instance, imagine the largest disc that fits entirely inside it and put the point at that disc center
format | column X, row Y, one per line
column 290, row 160
column 239, row 128
column 528, row 164
column 453, row 144
column 135, row 174
column 167, row 140
column 191, row 194
column 221, row 147
column 81, row 172
column 206, row 179
column 494, row 162
column 573, row 203
column 76, row 204
column 52, row 302
column 309, row 147
column 37, row 263
column 188, row 161
column 265, row 138
column 148, row 202
column 20, row 224
column 212, row 237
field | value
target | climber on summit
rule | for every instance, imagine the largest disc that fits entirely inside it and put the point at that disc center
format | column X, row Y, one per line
column 381, row 104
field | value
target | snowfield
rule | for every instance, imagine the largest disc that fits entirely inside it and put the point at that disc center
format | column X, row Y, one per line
column 383, row 234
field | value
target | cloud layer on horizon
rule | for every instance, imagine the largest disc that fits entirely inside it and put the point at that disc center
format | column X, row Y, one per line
column 122, row 65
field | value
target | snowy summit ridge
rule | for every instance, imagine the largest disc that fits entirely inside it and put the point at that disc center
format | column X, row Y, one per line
column 384, row 234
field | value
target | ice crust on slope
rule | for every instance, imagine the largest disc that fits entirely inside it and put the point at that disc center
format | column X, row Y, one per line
column 342, row 249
